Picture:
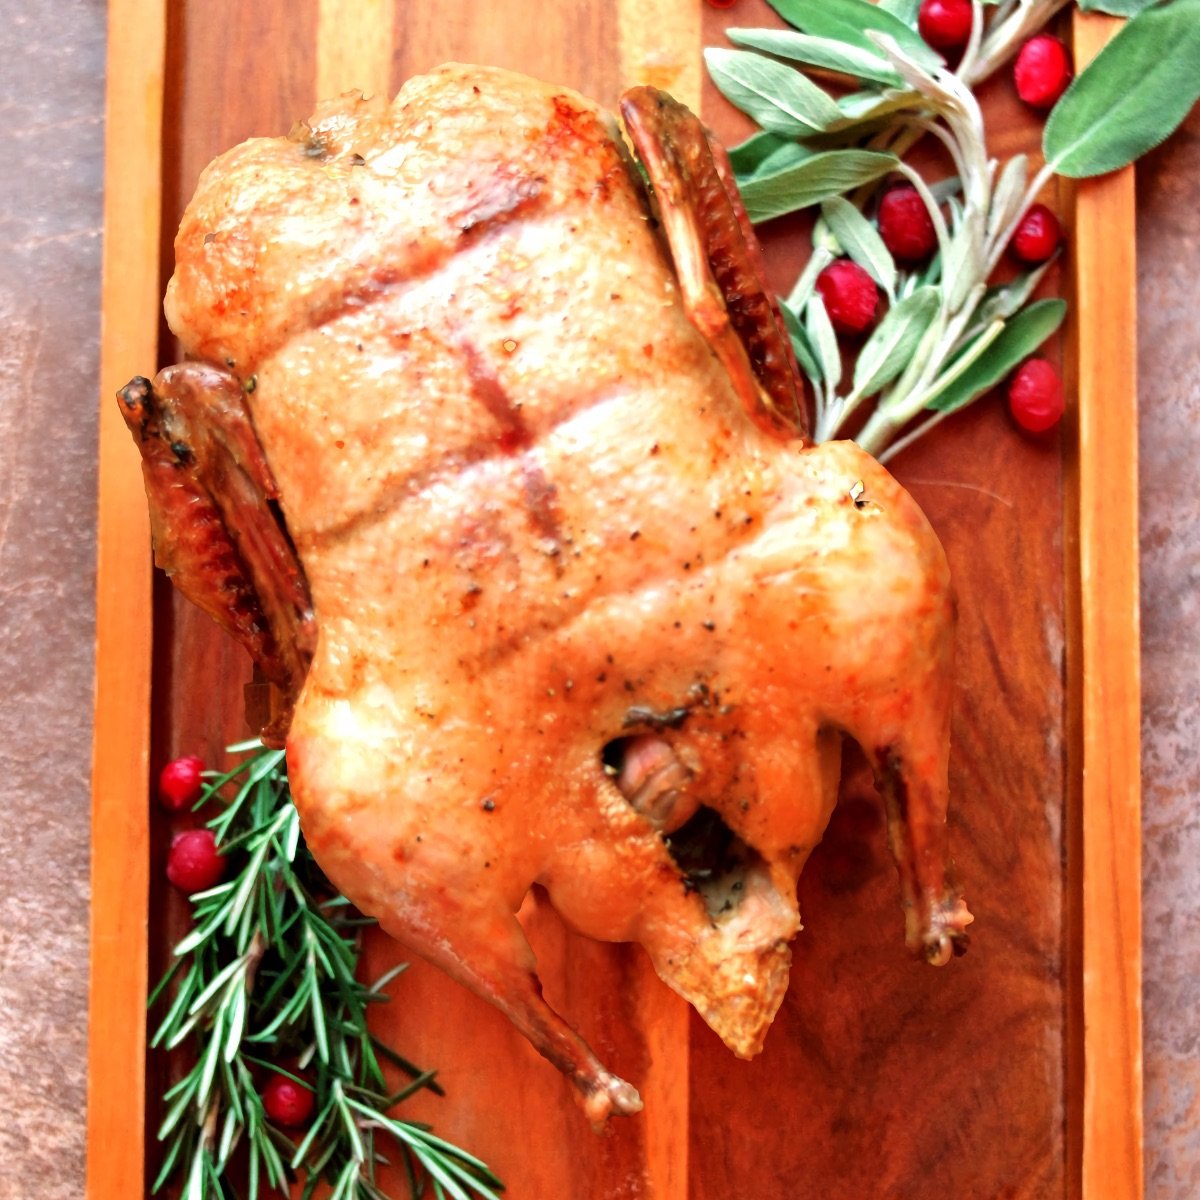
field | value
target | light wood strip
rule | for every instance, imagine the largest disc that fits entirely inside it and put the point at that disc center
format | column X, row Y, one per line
column 354, row 47
column 659, row 44
column 121, row 736
column 1109, row 670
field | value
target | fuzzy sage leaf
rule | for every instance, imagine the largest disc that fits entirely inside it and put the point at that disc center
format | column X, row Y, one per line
column 1005, row 299
column 813, row 180
column 850, row 21
column 860, row 240
column 1008, row 195
column 890, row 347
column 1117, row 8
column 1019, row 339
column 819, row 329
column 749, row 156
column 906, row 10
column 1132, row 96
column 822, row 52
column 805, row 355
column 779, row 98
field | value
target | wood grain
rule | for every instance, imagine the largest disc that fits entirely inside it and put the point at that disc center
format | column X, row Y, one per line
column 354, row 47
column 120, row 847
column 881, row 1077
column 900, row 1081
column 1107, row 664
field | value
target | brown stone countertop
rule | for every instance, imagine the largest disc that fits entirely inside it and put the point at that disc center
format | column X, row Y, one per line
column 52, row 96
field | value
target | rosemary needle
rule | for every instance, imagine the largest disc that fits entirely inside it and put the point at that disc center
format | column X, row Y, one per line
column 268, row 976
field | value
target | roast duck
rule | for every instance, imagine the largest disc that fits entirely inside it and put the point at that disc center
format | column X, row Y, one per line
column 493, row 457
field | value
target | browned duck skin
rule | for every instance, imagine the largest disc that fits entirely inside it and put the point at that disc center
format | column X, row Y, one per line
column 717, row 258
column 214, row 533
column 551, row 533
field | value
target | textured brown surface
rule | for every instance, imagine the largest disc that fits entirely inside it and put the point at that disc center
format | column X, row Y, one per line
column 1169, row 446
column 53, row 89
column 49, row 224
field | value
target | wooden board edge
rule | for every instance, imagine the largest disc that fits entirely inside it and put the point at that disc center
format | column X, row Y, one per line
column 1106, row 645
column 1104, row 667
column 121, row 726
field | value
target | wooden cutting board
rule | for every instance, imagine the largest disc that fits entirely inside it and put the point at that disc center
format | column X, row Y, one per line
column 1014, row 1072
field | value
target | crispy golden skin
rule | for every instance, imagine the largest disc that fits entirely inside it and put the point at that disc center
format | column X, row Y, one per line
column 538, row 514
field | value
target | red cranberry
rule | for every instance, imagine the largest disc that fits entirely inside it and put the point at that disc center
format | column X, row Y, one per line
column 1042, row 71
column 905, row 224
column 287, row 1102
column 1037, row 235
column 179, row 782
column 193, row 863
column 850, row 295
column 721, row 3
column 1035, row 396
column 945, row 24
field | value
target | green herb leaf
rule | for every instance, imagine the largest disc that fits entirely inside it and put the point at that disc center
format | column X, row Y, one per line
column 1019, row 339
column 1008, row 194
column 786, row 155
column 779, row 98
column 1134, row 93
column 819, row 329
column 906, row 10
column 861, row 107
column 964, row 264
column 804, row 352
column 748, row 156
column 828, row 53
column 890, row 347
column 267, row 963
column 1005, row 299
column 850, row 21
column 860, row 240
column 812, row 181
column 1117, row 8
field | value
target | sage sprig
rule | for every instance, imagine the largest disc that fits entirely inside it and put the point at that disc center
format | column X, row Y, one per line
column 269, row 975
column 871, row 90
column 1132, row 96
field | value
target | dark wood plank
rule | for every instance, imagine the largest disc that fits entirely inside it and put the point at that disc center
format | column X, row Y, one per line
column 882, row 1076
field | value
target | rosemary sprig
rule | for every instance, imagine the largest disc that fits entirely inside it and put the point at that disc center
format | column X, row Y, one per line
column 268, row 974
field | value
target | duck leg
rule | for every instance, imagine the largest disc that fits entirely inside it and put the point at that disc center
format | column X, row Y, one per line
column 501, row 969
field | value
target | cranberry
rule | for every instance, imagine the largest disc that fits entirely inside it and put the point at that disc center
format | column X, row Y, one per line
column 179, row 782
column 905, row 224
column 1035, row 396
column 721, row 3
column 1037, row 235
column 945, row 24
column 193, row 863
column 1042, row 71
column 850, row 295
column 287, row 1102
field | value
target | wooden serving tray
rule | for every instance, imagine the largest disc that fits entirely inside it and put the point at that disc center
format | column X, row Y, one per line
column 1015, row 1072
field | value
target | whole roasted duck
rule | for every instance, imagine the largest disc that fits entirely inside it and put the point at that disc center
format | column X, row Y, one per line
column 572, row 600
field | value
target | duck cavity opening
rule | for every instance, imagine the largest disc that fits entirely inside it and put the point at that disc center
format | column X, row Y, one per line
column 714, row 861
column 711, row 858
